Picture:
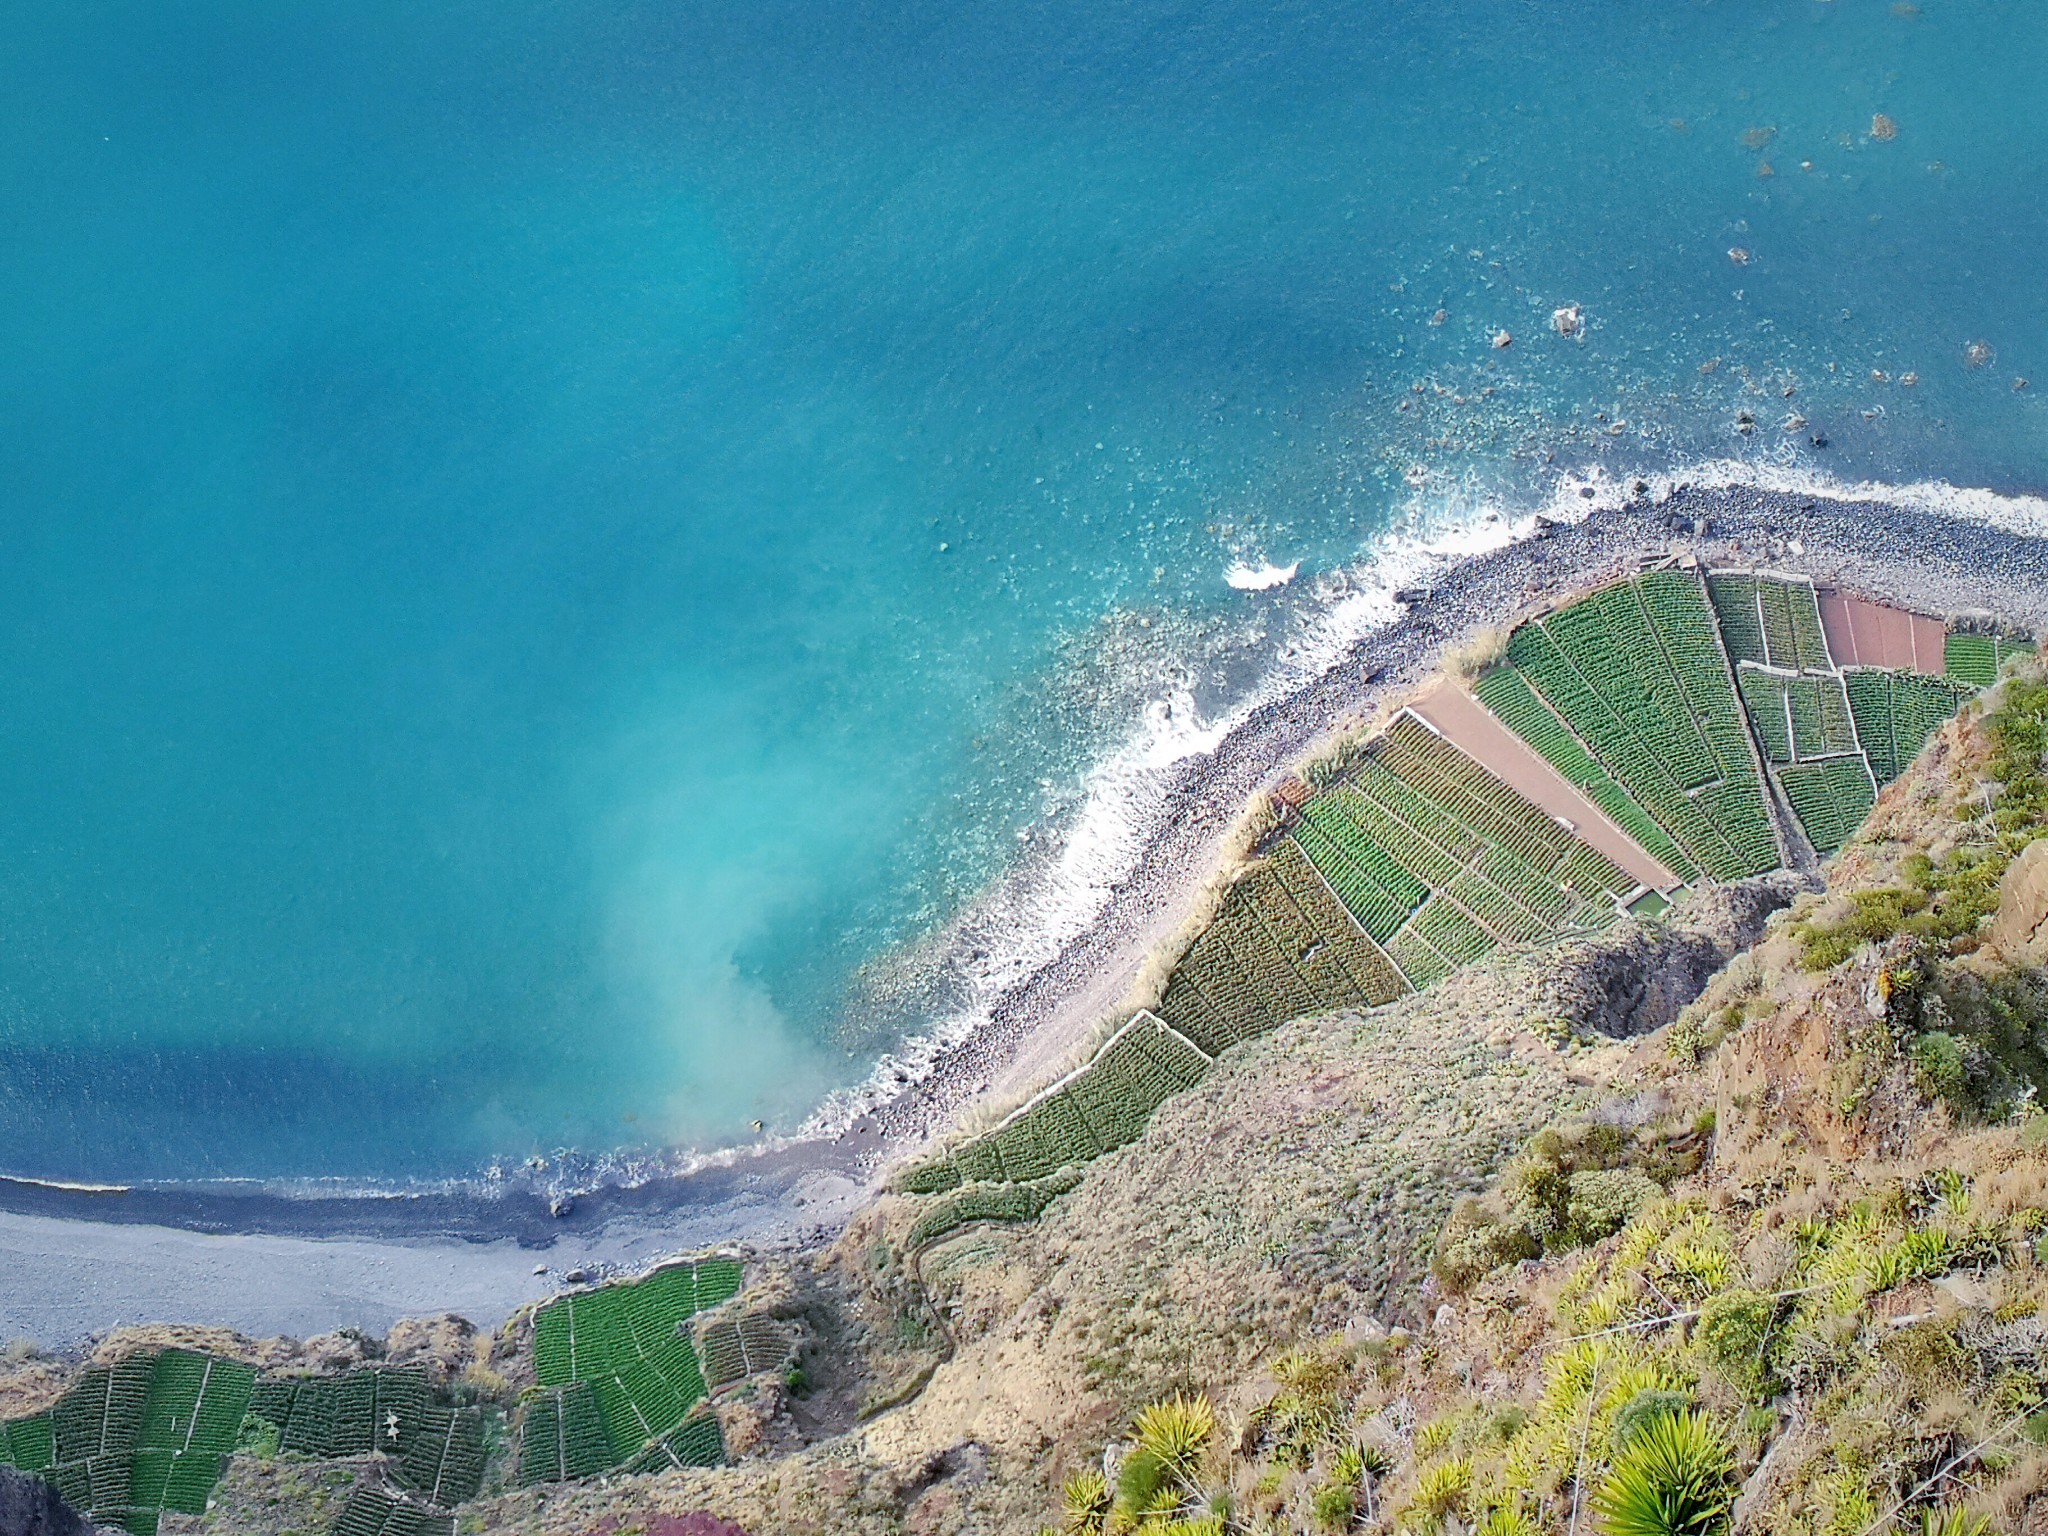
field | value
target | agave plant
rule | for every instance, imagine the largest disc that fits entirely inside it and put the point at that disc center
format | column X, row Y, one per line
column 1176, row 1432
column 1084, row 1500
column 1507, row 1520
column 1953, row 1522
column 1158, row 1476
column 1443, row 1489
column 1672, row 1479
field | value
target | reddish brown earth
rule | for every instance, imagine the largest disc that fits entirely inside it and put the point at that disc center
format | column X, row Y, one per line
column 1861, row 633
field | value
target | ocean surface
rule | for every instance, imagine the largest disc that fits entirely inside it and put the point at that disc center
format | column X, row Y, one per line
column 552, row 553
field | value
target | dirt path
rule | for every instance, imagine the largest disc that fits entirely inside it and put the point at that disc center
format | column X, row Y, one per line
column 1467, row 725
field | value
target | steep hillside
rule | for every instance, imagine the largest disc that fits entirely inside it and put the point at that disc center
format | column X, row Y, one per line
column 1298, row 1190
column 1836, row 1321
column 1476, row 1152
column 1774, row 1267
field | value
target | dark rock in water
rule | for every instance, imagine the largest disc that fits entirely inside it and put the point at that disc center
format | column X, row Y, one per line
column 1819, row 439
column 560, row 1206
column 30, row 1507
column 1411, row 594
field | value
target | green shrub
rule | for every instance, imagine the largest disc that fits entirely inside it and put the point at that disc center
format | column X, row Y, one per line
column 1733, row 1337
column 258, row 1438
column 1673, row 1479
column 1571, row 1185
column 1940, row 1060
column 1602, row 1201
column 1335, row 1505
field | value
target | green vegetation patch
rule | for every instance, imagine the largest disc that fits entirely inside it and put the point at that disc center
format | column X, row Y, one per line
column 1895, row 713
column 1572, row 1185
column 138, row 1437
column 617, row 1374
column 1440, row 860
column 1974, row 659
column 733, row 1349
column 377, row 1408
column 1103, row 1105
column 1637, row 675
column 1830, row 796
column 990, row 1202
column 374, row 1512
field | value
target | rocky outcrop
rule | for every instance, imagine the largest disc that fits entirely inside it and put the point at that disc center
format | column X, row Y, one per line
column 2020, row 930
column 30, row 1507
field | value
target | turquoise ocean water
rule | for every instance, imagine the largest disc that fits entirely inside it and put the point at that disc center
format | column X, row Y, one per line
column 543, row 543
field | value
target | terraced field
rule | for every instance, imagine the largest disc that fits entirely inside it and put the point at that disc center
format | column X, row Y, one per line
column 1895, row 713
column 1830, row 796
column 1440, row 861
column 1833, row 735
column 734, row 1349
column 1974, row 659
column 1633, row 681
column 1770, row 620
column 1672, row 702
column 374, row 1512
column 131, row 1440
column 1102, row 1105
column 621, row 1384
column 1414, row 861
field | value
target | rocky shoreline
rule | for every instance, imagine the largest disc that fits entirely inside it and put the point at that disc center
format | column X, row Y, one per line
column 799, row 1192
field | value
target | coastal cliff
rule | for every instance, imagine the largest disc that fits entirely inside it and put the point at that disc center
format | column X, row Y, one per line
column 1435, row 1267
column 1745, row 1173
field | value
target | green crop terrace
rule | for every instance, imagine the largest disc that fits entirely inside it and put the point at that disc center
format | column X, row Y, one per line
column 620, row 1383
column 619, row 1388
column 1689, row 707
column 131, row 1440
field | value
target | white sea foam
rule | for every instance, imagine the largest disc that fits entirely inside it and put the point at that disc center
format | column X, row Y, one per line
column 1032, row 916
column 2010, row 512
column 1260, row 578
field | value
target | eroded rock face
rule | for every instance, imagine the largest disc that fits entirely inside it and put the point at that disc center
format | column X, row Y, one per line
column 2020, row 930
column 30, row 1507
column 1636, row 977
column 444, row 1344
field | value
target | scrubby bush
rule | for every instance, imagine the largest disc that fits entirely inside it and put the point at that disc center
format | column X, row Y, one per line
column 1733, row 1337
column 1601, row 1201
column 1572, row 1185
